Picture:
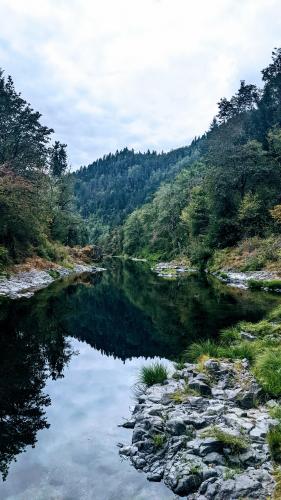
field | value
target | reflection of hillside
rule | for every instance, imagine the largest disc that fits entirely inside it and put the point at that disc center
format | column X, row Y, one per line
column 26, row 360
column 191, row 307
column 125, row 312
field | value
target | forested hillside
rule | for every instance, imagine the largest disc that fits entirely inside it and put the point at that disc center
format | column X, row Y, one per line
column 231, row 194
column 37, row 212
column 112, row 187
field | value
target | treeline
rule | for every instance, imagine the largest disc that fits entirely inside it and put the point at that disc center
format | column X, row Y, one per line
column 37, row 209
column 109, row 189
column 234, row 190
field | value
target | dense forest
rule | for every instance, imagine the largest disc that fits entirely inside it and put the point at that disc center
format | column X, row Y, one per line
column 37, row 210
column 109, row 189
column 231, row 193
column 223, row 189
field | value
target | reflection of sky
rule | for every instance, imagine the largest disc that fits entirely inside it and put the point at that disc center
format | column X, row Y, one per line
column 77, row 458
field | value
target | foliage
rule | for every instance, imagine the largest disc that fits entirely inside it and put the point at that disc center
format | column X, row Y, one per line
column 159, row 440
column 274, row 442
column 235, row 443
column 112, row 187
column 35, row 191
column 156, row 373
column 268, row 371
column 268, row 284
column 227, row 189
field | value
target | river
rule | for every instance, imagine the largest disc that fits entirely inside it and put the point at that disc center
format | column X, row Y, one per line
column 69, row 357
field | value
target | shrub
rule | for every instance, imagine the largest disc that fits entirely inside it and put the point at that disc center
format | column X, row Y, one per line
column 235, row 443
column 268, row 371
column 153, row 374
column 275, row 315
column 271, row 285
column 231, row 334
column 274, row 442
column 275, row 412
column 239, row 351
column 255, row 263
column 53, row 273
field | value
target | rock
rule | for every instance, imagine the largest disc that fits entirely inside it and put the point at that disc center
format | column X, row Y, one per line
column 214, row 458
column 138, row 435
column 128, row 424
column 185, row 475
column 245, row 485
column 212, row 366
column 248, row 336
column 190, row 462
column 200, row 386
column 125, row 450
column 156, row 475
column 209, row 445
column 260, row 430
column 204, row 486
column 248, row 398
column 176, row 426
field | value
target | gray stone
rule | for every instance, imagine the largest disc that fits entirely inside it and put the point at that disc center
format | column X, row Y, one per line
column 244, row 485
column 214, row 458
column 201, row 387
column 209, row 445
column 176, row 426
column 212, row 366
column 138, row 434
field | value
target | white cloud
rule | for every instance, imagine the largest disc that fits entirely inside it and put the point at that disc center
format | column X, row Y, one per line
column 141, row 73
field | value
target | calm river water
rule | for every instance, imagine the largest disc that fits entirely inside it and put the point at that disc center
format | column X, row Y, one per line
column 69, row 357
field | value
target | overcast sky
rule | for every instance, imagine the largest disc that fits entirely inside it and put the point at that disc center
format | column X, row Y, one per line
column 139, row 73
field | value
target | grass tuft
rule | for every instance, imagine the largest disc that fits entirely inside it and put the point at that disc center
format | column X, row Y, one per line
column 153, row 374
column 271, row 285
column 159, row 440
column 181, row 395
column 235, row 443
column 268, row 371
column 274, row 442
column 203, row 348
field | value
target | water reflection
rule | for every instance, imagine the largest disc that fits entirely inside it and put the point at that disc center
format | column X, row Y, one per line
column 126, row 312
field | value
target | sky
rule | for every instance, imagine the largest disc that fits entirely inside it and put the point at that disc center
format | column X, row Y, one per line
column 106, row 74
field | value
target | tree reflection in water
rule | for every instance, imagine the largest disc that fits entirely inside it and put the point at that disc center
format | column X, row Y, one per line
column 125, row 312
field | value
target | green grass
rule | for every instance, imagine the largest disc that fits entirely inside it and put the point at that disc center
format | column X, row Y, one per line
column 209, row 348
column 228, row 335
column 202, row 348
column 181, row 395
column 271, row 285
column 179, row 365
column 153, row 374
column 235, row 443
column 267, row 370
column 274, row 442
column 159, row 440
column 54, row 274
column 275, row 412
column 231, row 472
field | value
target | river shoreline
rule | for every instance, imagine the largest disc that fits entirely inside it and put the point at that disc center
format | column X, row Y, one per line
column 26, row 283
column 233, row 278
column 203, row 433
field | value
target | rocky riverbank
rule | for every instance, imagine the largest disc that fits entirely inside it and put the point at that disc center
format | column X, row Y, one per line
column 203, row 433
column 25, row 284
column 171, row 269
column 232, row 278
column 241, row 280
